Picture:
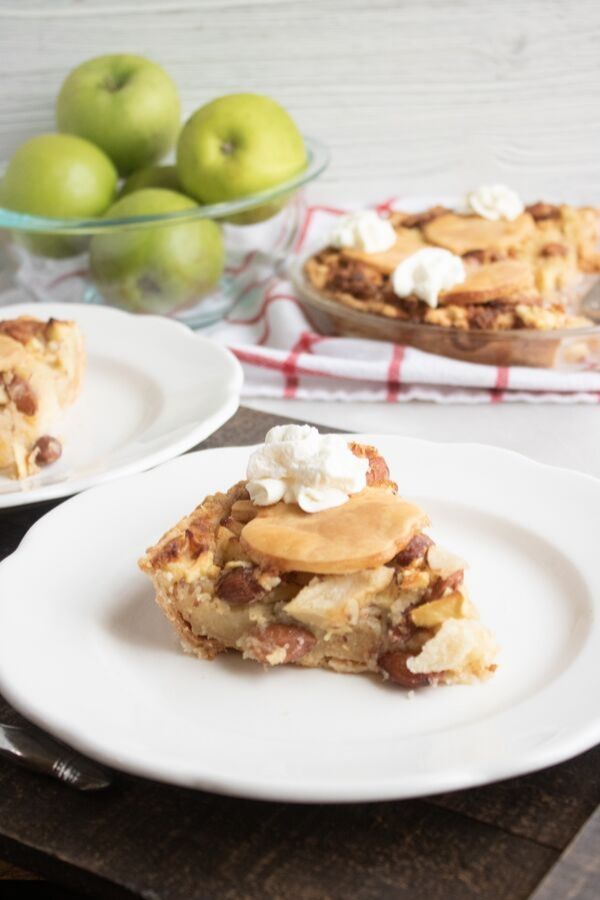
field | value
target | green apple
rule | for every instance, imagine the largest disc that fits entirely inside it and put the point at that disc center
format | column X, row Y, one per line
column 58, row 176
column 151, row 177
column 157, row 268
column 236, row 146
column 125, row 104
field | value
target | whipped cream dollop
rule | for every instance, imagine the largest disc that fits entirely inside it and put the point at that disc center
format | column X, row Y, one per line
column 427, row 273
column 296, row 464
column 363, row 230
column 494, row 202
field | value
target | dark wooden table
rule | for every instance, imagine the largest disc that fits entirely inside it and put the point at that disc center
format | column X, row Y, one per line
column 537, row 836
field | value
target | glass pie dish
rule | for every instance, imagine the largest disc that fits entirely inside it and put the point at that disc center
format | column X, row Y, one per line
column 48, row 259
column 349, row 298
column 567, row 348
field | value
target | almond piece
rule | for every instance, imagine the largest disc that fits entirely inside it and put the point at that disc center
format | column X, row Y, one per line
column 554, row 248
column 415, row 549
column 378, row 474
column 450, row 582
column 239, row 587
column 417, row 220
column 542, row 211
column 46, row 450
column 394, row 664
column 22, row 395
column 278, row 644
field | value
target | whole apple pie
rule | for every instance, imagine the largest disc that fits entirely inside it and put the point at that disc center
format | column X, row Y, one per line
column 451, row 277
column 521, row 274
column 316, row 560
column 41, row 368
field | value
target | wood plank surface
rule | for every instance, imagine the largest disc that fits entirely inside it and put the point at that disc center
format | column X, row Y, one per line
column 576, row 875
column 418, row 96
column 143, row 839
column 546, row 807
column 13, row 873
column 176, row 844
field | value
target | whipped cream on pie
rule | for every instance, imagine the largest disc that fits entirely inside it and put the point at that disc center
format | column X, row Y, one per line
column 364, row 230
column 426, row 273
column 296, row 464
column 495, row 202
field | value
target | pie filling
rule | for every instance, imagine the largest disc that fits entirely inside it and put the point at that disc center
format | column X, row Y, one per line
column 357, row 588
column 41, row 367
column 521, row 274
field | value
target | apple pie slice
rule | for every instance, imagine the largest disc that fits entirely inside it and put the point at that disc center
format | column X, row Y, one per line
column 41, row 368
column 356, row 587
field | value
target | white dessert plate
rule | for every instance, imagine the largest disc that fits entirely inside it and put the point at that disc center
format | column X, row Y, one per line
column 152, row 389
column 86, row 654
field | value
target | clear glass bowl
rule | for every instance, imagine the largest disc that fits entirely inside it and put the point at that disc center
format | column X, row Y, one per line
column 31, row 265
column 567, row 349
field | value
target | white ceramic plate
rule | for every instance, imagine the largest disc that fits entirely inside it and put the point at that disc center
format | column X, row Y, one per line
column 152, row 389
column 85, row 652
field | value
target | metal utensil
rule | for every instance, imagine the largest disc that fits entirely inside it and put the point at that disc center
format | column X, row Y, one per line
column 32, row 749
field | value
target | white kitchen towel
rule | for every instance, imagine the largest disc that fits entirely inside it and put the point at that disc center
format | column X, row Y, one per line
column 280, row 349
column 283, row 355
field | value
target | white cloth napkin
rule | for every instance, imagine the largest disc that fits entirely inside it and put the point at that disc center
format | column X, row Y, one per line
column 283, row 355
column 280, row 349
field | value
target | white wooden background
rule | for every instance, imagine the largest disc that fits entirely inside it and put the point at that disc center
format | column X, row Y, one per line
column 412, row 97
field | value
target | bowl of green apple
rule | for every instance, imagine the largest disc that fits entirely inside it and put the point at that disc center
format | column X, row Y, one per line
column 124, row 205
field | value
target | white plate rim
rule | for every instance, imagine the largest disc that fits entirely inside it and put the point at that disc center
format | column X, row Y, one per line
column 176, row 331
column 568, row 746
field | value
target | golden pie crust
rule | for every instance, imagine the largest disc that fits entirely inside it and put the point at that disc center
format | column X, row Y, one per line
column 390, row 602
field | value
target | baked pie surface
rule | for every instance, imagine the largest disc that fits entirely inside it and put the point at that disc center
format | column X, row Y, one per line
column 358, row 588
column 41, row 369
column 520, row 275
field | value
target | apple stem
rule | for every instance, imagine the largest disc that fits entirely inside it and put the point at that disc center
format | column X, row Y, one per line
column 113, row 83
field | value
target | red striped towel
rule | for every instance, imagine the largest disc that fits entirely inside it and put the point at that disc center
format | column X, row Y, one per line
column 283, row 355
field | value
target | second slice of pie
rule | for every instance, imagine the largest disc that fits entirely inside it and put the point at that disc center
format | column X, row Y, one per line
column 41, row 370
column 321, row 567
